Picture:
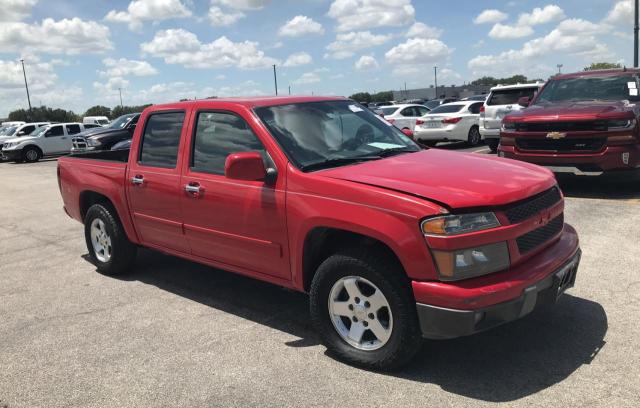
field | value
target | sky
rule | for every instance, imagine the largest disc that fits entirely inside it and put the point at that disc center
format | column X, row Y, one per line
column 79, row 53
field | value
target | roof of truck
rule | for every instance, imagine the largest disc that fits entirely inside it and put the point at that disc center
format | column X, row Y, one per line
column 248, row 102
column 599, row 73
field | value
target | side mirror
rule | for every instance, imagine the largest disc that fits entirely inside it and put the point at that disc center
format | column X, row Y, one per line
column 524, row 101
column 245, row 166
column 408, row 133
column 21, row 133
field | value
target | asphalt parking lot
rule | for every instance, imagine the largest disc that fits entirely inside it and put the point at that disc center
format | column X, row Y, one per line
column 175, row 333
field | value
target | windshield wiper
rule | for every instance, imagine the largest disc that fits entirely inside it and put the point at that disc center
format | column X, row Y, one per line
column 394, row 151
column 338, row 161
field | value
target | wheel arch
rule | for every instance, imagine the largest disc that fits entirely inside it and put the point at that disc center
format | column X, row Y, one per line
column 87, row 198
column 321, row 242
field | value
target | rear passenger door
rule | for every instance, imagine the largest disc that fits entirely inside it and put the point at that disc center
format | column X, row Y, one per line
column 233, row 222
column 153, row 182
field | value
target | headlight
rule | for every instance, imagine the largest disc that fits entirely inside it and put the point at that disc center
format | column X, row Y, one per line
column 93, row 142
column 509, row 126
column 621, row 124
column 471, row 262
column 459, row 224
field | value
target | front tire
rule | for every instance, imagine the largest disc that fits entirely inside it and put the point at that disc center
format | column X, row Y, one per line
column 363, row 309
column 493, row 145
column 108, row 245
column 474, row 138
column 31, row 154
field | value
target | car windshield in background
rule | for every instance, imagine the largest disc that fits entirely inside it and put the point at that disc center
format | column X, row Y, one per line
column 39, row 131
column 432, row 104
column 10, row 131
column 615, row 88
column 102, row 121
column 447, row 109
column 325, row 134
column 388, row 111
column 510, row 96
column 121, row 122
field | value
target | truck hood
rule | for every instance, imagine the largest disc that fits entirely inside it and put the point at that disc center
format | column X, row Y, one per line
column 574, row 110
column 20, row 139
column 100, row 132
column 452, row 179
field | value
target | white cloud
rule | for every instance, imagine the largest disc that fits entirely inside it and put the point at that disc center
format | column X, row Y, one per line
column 299, row 58
column 67, row 36
column 15, row 10
column 422, row 30
column 219, row 18
column 243, row 4
column 111, row 85
column 39, row 74
column 124, row 67
column 307, row 78
column 621, row 13
column 418, row 50
column 366, row 63
column 501, row 31
column 548, row 14
column 367, row 14
column 347, row 44
column 299, row 26
column 140, row 11
column 491, row 16
column 572, row 38
column 178, row 46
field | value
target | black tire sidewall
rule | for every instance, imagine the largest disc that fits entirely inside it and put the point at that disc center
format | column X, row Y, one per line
column 401, row 303
column 121, row 247
column 26, row 150
column 470, row 137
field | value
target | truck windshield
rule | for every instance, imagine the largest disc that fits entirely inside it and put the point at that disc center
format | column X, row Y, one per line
column 325, row 134
column 616, row 88
column 102, row 121
column 121, row 121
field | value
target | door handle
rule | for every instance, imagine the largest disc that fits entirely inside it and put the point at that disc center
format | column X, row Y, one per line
column 137, row 180
column 193, row 189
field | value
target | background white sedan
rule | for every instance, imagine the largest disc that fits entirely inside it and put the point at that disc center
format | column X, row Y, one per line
column 403, row 116
column 451, row 121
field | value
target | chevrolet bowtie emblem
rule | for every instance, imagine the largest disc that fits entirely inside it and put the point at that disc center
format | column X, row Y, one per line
column 556, row 135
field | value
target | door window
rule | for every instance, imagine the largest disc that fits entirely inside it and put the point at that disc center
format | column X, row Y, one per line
column 54, row 131
column 475, row 108
column 408, row 112
column 217, row 135
column 27, row 129
column 73, row 129
column 161, row 140
column 422, row 110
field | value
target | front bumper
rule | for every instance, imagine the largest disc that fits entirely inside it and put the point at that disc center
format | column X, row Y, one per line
column 454, row 309
column 489, row 133
column 612, row 158
column 11, row 155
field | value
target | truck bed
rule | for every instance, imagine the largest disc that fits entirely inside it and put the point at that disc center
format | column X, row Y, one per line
column 107, row 155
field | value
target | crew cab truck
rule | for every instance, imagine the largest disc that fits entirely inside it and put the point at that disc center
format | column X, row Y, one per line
column 584, row 123
column 392, row 242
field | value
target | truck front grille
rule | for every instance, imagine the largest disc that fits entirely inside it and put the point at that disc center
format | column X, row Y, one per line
column 533, row 206
column 79, row 143
column 533, row 239
column 593, row 144
column 578, row 126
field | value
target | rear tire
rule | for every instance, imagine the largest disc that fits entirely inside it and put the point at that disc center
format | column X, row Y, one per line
column 493, row 144
column 389, row 334
column 474, row 138
column 108, row 245
column 31, row 154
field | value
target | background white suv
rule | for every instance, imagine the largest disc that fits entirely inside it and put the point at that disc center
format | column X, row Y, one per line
column 501, row 101
column 49, row 140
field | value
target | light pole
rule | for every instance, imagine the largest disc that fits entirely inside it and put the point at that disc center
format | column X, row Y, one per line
column 24, row 73
column 275, row 79
column 635, row 37
column 560, row 68
column 435, row 76
column 120, row 90
column 289, row 89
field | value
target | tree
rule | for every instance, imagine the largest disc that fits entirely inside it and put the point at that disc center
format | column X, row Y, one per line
column 491, row 81
column 382, row 96
column 123, row 110
column 602, row 65
column 43, row 114
column 98, row 110
column 361, row 97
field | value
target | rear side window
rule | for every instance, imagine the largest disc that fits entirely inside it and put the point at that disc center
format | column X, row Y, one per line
column 73, row 129
column 448, row 108
column 475, row 108
column 510, row 96
column 217, row 135
column 161, row 139
column 54, row 131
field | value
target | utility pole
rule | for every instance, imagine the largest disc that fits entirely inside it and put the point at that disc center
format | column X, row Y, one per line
column 120, row 90
column 24, row 73
column 289, row 89
column 635, row 37
column 435, row 75
column 275, row 79
column 405, row 89
column 560, row 68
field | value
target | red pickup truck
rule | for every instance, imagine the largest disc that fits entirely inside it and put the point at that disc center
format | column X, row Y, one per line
column 317, row 194
column 584, row 123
